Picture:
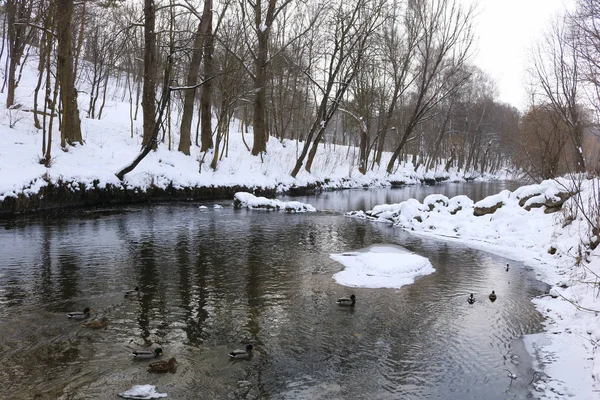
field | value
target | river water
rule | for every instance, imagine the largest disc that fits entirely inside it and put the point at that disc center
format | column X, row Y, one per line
column 216, row 279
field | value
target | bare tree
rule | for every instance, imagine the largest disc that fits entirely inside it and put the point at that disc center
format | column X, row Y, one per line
column 185, row 130
column 556, row 69
column 445, row 39
column 18, row 14
column 542, row 150
column 263, row 14
column 399, row 39
column 349, row 28
column 585, row 27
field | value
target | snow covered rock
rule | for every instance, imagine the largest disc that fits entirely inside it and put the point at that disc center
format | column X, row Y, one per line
column 248, row 200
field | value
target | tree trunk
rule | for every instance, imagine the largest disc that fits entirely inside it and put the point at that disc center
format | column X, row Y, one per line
column 313, row 150
column 71, row 125
column 206, row 90
column 260, row 81
column 260, row 99
column 17, row 14
column 363, row 154
column 185, row 131
column 578, row 145
column 149, row 90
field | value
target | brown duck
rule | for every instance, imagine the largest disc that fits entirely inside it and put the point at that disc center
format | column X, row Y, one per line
column 163, row 366
column 96, row 324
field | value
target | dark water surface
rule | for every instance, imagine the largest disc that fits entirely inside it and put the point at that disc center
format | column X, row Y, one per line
column 216, row 279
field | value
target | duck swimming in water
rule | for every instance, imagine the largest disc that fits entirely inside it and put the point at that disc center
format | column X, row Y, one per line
column 96, row 324
column 242, row 353
column 346, row 301
column 133, row 293
column 80, row 315
column 146, row 354
column 163, row 366
column 493, row 296
column 471, row 299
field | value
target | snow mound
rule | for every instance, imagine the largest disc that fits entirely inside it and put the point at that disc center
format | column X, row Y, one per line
column 381, row 267
column 248, row 200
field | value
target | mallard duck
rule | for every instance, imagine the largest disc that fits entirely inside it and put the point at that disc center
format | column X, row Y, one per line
column 80, row 315
column 163, row 366
column 346, row 301
column 471, row 299
column 96, row 324
column 133, row 292
column 145, row 354
column 242, row 353
column 493, row 296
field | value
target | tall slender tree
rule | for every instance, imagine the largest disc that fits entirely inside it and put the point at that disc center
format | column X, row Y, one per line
column 71, row 124
column 18, row 13
column 150, row 58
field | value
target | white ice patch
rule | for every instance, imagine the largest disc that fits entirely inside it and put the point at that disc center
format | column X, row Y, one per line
column 381, row 267
column 142, row 392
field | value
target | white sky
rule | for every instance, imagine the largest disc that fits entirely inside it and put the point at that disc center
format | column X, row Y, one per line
column 507, row 30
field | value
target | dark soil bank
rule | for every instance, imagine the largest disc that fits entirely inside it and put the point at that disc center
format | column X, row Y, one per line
column 59, row 196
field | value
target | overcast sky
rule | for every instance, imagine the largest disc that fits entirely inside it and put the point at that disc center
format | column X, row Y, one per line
column 507, row 30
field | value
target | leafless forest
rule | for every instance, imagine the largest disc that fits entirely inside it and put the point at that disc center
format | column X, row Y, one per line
column 380, row 75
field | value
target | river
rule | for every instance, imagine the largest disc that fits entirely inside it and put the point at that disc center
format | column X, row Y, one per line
column 216, row 279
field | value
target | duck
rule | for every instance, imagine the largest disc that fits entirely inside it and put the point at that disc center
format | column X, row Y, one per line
column 96, row 324
column 346, row 301
column 471, row 299
column 133, row 292
column 145, row 354
column 163, row 366
column 493, row 296
column 80, row 315
column 242, row 353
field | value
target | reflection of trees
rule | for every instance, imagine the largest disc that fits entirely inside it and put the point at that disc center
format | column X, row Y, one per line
column 68, row 272
column 192, row 289
column 147, row 276
column 257, row 261
column 183, row 271
column 43, row 286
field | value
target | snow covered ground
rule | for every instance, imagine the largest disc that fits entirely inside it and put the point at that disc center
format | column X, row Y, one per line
column 110, row 145
column 515, row 225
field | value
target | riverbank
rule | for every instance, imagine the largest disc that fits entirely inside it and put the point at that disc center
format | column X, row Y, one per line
column 85, row 175
column 538, row 226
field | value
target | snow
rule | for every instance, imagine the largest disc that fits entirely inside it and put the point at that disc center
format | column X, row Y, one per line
column 142, row 392
column 568, row 351
column 381, row 267
column 110, row 144
column 248, row 200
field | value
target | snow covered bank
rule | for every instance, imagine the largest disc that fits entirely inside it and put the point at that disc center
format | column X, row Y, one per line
column 381, row 267
column 248, row 200
column 114, row 141
column 523, row 225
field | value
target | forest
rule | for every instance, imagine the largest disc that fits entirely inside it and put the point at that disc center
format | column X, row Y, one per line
column 382, row 76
